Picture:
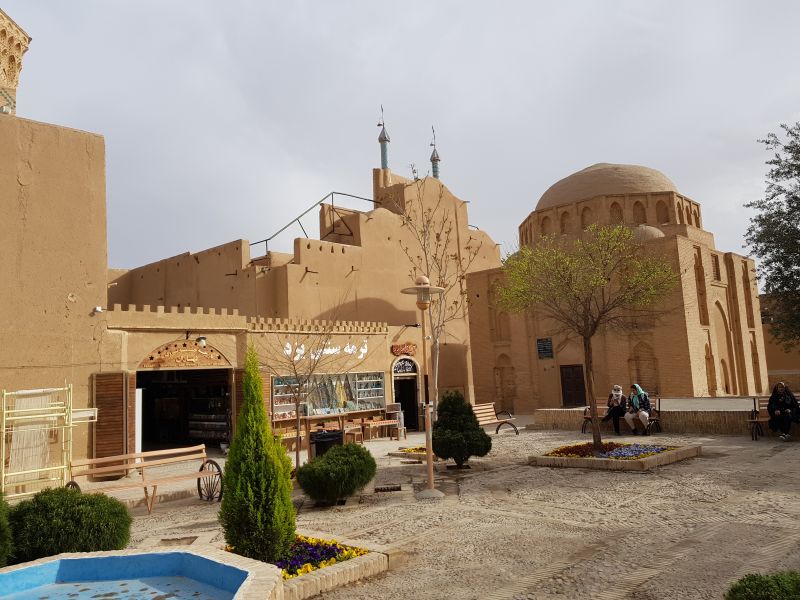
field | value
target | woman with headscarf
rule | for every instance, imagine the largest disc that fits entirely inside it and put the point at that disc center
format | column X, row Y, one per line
column 782, row 409
column 638, row 406
column 616, row 407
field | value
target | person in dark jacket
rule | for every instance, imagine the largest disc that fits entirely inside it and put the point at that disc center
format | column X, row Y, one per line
column 782, row 409
column 638, row 406
column 616, row 407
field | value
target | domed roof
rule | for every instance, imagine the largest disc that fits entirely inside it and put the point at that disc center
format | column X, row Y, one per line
column 645, row 233
column 604, row 179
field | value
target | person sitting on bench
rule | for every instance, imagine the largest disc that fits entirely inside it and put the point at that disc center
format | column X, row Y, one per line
column 782, row 409
column 638, row 406
column 616, row 407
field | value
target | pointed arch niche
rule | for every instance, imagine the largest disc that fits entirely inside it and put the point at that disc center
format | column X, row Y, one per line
column 643, row 368
column 725, row 350
column 505, row 383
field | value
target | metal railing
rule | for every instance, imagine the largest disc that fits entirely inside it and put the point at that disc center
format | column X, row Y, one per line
column 331, row 195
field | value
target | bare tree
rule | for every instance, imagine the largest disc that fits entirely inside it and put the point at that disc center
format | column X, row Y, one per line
column 435, row 249
column 299, row 359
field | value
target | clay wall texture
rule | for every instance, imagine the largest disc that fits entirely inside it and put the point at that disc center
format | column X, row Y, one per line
column 54, row 267
column 708, row 342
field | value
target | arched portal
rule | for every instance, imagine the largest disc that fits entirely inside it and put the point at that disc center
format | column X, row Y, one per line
column 643, row 368
column 722, row 335
column 505, row 383
column 407, row 388
column 182, row 396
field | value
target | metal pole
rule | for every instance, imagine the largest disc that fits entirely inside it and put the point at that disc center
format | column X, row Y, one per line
column 430, row 491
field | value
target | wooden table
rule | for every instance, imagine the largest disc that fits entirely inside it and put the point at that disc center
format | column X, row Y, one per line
column 340, row 418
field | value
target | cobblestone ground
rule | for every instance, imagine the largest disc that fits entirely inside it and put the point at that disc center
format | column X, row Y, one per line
column 508, row 530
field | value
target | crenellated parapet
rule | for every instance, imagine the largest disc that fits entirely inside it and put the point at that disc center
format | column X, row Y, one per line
column 144, row 316
column 314, row 326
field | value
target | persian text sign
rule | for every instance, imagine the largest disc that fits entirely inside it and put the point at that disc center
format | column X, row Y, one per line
column 407, row 348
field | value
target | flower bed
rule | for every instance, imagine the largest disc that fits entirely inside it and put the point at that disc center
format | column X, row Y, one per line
column 309, row 554
column 614, row 450
column 413, row 449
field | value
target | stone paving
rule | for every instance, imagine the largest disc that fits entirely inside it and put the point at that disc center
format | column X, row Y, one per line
column 509, row 530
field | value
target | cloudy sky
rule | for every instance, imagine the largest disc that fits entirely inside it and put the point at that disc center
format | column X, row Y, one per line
column 225, row 120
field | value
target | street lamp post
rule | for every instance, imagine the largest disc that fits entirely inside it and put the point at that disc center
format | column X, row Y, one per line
column 424, row 291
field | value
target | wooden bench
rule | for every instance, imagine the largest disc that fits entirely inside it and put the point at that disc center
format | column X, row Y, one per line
column 653, row 422
column 368, row 426
column 759, row 416
column 209, row 476
column 487, row 415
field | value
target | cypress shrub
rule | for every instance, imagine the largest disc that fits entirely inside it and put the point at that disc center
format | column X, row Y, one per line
column 65, row 520
column 257, row 514
column 337, row 474
column 775, row 586
column 456, row 433
column 5, row 533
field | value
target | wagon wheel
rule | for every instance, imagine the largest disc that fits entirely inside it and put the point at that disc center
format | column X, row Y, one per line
column 209, row 487
column 73, row 486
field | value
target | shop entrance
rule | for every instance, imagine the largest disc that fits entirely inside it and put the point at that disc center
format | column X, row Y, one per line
column 185, row 407
column 406, row 391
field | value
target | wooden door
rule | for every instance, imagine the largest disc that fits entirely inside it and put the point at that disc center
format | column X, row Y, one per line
column 110, row 431
column 573, row 390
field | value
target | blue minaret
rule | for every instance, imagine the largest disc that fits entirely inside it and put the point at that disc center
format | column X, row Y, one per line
column 434, row 157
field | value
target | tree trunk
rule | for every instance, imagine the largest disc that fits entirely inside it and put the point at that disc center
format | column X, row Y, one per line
column 297, row 437
column 589, row 362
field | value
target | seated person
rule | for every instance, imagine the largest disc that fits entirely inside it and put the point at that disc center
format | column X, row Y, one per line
column 782, row 409
column 638, row 406
column 616, row 407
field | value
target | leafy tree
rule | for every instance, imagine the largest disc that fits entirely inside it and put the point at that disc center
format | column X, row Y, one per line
column 599, row 280
column 774, row 234
column 456, row 433
column 257, row 514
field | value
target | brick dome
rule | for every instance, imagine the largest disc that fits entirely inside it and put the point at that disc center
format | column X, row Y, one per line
column 605, row 179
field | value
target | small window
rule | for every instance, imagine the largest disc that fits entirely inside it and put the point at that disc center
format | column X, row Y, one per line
column 715, row 264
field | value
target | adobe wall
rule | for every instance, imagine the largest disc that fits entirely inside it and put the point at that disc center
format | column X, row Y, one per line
column 357, row 277
column 783, row 365
column 52, row 198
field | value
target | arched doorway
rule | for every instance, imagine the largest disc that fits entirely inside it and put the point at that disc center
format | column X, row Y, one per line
column 405, row 380
column 505, row 383
column 185, row 396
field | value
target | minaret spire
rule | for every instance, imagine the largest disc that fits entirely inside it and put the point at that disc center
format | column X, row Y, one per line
column 434, row 156
column 384, row 140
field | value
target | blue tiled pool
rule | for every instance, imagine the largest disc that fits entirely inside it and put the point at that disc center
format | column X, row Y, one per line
column 153, row 576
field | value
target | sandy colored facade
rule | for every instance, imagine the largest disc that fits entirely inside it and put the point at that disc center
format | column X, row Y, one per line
column 783, row 364
column 13, row 44
column 710, row 343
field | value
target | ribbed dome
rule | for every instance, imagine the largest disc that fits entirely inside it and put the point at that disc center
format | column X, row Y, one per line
column 604, row 179
column 645, row 233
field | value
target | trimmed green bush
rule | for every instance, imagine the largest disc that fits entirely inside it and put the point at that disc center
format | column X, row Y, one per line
column 337, row 474
column 775, row 586
column 257, row 514
column 65, row 520
column 6, row 545
column 456, row 433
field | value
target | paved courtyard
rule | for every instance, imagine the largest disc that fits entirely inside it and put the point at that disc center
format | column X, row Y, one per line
column 508, row 530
